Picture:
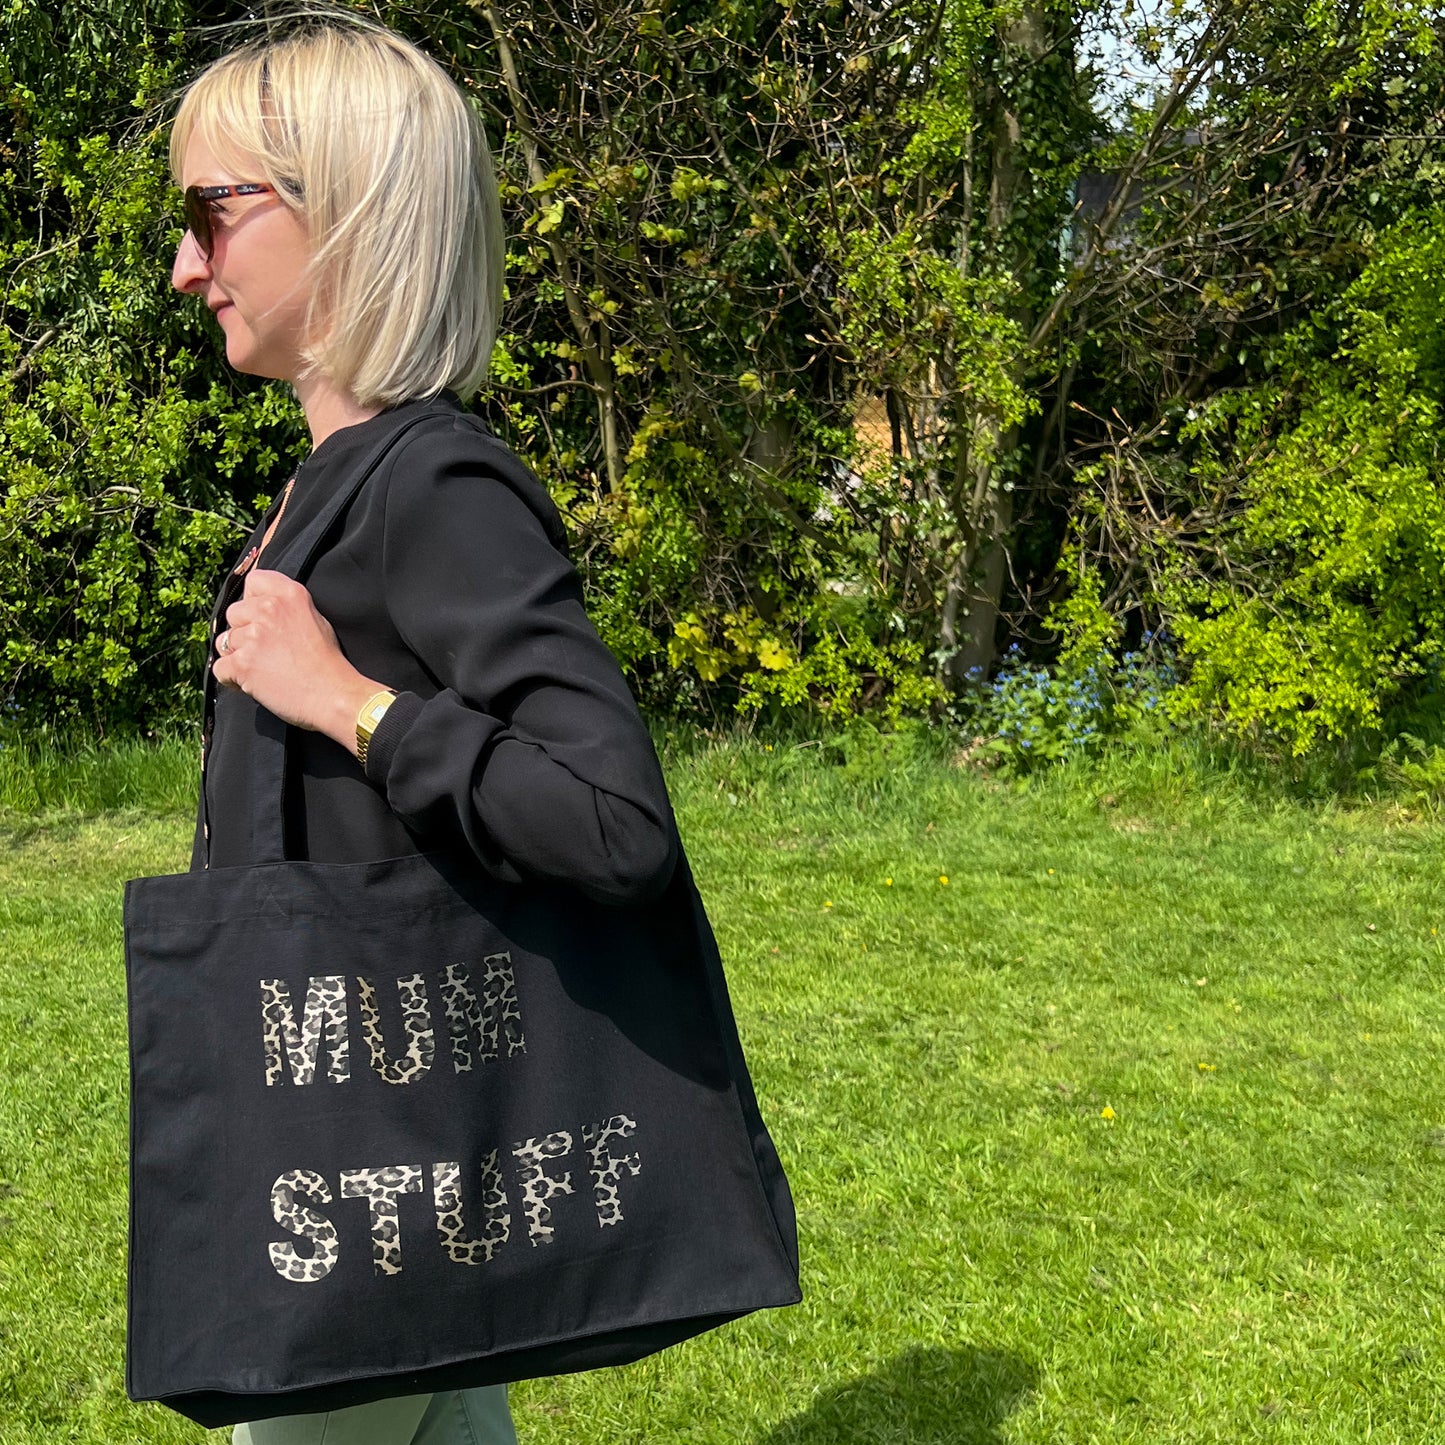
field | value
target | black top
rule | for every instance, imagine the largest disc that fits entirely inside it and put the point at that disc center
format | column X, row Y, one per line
column 513, row 736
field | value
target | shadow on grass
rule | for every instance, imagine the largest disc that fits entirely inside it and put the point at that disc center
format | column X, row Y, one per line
column 924, row 1397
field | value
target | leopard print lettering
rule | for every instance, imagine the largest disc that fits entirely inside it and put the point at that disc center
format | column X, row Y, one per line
column 305, row 1223
column 470, row 1017
column 447, row 1193
column 537, row 1185
column 323, row 1019
column 381, row 1188
column 420, row 1040
column 607, row 1168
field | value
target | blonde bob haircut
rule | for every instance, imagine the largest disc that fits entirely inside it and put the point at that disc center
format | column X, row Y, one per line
column 376, row 149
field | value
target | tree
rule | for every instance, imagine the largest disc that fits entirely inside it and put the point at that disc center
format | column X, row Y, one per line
column 1216, row 500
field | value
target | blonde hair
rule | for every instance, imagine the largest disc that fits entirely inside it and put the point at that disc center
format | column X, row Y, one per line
column 386, row 163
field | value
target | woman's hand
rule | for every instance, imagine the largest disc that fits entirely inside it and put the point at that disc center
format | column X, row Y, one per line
column 278, row 649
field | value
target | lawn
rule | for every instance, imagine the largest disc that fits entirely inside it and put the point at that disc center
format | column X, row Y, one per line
column 1113, row 1106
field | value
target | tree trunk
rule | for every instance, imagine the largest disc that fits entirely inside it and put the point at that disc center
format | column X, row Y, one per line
column 975, row 589
column 982, row 501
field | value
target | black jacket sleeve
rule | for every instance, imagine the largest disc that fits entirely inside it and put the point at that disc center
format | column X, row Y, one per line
column 532, row 752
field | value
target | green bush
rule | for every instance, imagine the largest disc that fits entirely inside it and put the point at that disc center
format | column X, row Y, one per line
column 729, row 227
column 129, row 457
column 1319, row 610
column 725, row 563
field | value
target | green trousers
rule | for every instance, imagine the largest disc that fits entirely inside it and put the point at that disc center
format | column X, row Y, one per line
column 459, row 1417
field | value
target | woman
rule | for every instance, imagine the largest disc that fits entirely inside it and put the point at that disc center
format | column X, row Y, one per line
column 443, row 686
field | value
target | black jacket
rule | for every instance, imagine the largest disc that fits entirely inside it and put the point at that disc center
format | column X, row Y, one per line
column 513, row 735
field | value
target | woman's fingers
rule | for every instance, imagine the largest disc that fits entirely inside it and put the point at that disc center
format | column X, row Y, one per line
column 223, row 669
column 227, row 667
column 278, row 649
column 270, row 595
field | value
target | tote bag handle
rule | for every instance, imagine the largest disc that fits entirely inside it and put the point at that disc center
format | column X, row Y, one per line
column 292, row 559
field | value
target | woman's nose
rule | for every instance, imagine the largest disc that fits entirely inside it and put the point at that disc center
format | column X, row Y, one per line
column 191, row 269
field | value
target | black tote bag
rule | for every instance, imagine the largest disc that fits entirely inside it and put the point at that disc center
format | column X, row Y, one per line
column 398, row 1128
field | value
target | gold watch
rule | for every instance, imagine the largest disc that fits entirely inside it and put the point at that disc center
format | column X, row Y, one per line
column 371, row 714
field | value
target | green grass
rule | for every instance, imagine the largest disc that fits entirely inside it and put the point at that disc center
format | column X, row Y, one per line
column 1249, row 1249
column 45, row 776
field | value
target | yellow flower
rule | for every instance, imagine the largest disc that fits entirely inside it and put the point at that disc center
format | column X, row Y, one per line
column 1208, row 1068
column 827, row 903
column 1106, row 1113
column 1051, row 872
column 943, row 877
column 888, row 883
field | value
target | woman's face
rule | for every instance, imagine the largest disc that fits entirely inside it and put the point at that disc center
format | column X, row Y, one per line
column 255, row 279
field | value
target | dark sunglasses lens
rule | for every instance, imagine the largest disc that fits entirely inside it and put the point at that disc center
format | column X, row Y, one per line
column 198, row 220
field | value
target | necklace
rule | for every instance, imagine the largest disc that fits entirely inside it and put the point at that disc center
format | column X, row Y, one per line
column 249, row 560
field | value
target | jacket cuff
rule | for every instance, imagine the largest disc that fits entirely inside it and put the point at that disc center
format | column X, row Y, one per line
column 394, row 725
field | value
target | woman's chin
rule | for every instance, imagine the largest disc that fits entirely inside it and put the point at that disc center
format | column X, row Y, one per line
column 239, row 352
column 249, row 359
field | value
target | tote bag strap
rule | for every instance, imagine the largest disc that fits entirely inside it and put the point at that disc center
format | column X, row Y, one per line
column 293, row 559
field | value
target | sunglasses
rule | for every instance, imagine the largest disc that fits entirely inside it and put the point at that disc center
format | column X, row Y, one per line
column 197, row 209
